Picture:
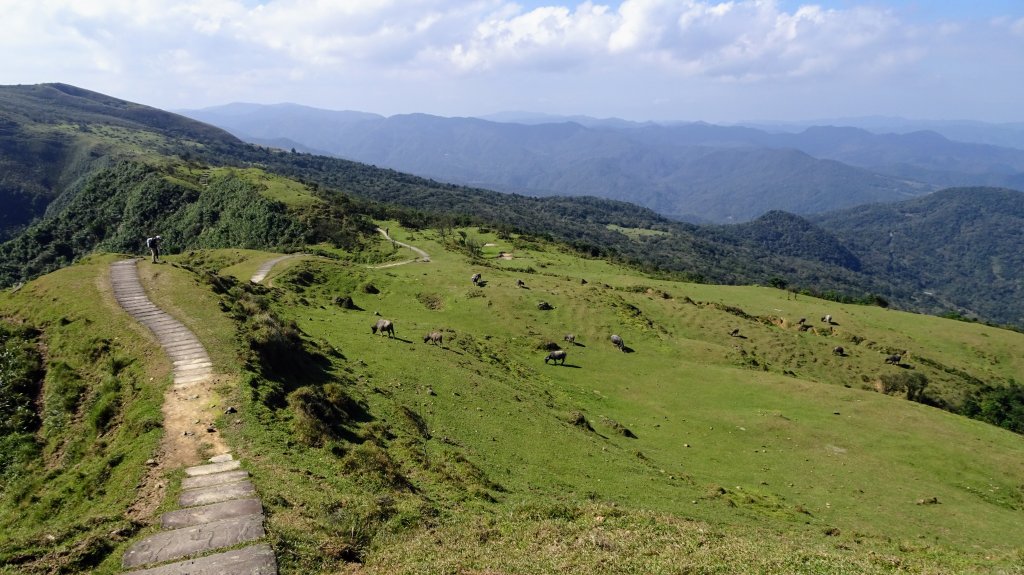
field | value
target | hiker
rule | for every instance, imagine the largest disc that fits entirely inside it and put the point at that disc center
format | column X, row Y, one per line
column 153, row 244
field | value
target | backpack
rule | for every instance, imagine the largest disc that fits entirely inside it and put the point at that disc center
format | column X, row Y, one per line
column 149, row 242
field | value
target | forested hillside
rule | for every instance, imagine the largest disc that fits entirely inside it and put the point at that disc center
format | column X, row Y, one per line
column 959, row 248
column 53, row 134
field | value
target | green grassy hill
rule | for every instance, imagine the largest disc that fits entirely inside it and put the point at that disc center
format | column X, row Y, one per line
column 694, row 451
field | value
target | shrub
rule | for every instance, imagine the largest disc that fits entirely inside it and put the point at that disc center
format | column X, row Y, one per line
column 322, row 412
column 911, row 383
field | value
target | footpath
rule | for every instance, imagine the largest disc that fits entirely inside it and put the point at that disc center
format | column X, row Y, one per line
column 268, row 265
column 219, row 525
column 423, row 256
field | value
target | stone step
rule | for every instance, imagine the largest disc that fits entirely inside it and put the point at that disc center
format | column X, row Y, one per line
column 185, row 347
column 190, row 541
column 183, row 374
column 159, row 321
column 253, row 560
column 209, row 513
column 214, row 478
column 172, row 333
column 212, row 468
column 189, row 380
column 186, row 371
column 197, row 361
column 221, row 458
column 216, row 493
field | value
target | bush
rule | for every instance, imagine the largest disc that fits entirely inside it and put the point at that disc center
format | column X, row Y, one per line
column 1001, row 406
column 322, row 412
column 911, row 383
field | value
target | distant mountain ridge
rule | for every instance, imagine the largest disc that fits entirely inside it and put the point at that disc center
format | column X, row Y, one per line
column 696, row 171
column 693, row 171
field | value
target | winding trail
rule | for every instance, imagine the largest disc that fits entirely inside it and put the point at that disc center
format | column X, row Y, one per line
column 423, row 256
column 264, row 269
column 219, row 508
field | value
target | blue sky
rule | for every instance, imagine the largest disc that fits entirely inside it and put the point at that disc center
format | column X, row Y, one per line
column 718, row 61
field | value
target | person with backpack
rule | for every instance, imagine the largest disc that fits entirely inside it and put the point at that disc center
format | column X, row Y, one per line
column 153, row 244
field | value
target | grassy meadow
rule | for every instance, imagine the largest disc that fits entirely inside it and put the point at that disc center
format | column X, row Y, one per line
column 693, row 451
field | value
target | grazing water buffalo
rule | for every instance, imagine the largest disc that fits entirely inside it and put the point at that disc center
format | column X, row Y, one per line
column 827, row 319
column 735, row 332
column 475, row 278
column 384, row 326
column 555, row 356
column 838, row 350
column 434, row 337
column 570, row 338
column 894, row 359
column 617, row 342
column 520, row 283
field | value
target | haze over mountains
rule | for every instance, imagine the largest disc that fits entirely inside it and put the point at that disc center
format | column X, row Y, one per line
column 696, row 172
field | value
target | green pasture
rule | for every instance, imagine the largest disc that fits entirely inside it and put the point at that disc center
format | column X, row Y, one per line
column 766, row 434
column 722, row 439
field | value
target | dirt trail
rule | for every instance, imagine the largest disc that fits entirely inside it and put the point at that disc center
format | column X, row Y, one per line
column 264, row 269
column 423, row 256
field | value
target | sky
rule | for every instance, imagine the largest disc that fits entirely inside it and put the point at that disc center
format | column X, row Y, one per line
column 686, row 60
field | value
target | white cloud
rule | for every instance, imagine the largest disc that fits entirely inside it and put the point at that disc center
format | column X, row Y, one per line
column 460, row 53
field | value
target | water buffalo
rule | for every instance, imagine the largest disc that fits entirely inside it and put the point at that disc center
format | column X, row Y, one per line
column 838, row 350
column 570, row 338
column 894, row 359
column 617, row 342
column 520, row 284
column 434, row 337
column 475, row 278
column 384, row 326
column 555, row 356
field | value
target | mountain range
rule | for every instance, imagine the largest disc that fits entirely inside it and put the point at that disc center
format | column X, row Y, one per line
column 695, row 172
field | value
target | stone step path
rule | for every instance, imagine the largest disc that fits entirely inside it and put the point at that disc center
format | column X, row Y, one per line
column 218, row 511
column 220, row 523
column 188, row 357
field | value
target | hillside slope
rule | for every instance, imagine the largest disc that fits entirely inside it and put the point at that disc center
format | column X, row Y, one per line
column 695, row 449
column 53, row 134
column 959, row 246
